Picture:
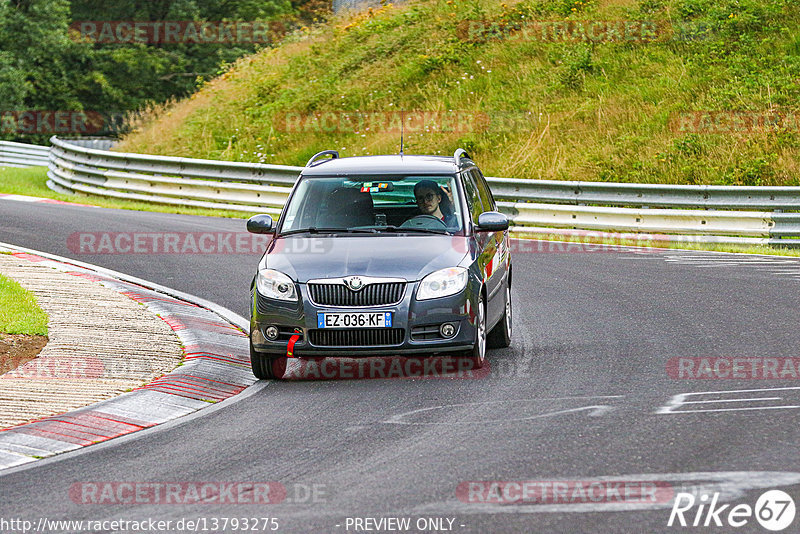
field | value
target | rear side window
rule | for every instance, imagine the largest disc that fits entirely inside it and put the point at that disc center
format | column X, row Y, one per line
column 473, row 197
column 483, row 190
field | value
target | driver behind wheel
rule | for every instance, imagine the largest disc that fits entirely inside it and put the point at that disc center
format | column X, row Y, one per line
column 433, row 200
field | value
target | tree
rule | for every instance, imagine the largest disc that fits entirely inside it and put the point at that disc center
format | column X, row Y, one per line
column 44, row 66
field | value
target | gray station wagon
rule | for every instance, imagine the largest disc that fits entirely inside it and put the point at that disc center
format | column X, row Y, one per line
column 382, row 255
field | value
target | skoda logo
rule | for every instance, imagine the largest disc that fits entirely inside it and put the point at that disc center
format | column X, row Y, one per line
column 354, row 282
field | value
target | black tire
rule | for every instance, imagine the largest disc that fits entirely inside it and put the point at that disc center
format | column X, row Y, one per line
column 267, row 366
column 500, row 336
column 477, row 356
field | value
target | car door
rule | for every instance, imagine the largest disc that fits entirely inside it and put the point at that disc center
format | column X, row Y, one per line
column 497, row 246
column 483, row 240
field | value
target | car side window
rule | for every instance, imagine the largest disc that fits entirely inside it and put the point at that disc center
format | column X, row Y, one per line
column 484, row 191
column 473, row 197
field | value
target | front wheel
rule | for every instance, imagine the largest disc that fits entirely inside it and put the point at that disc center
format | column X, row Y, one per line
column 267, row 366
column 477, row 356
column 500, row 336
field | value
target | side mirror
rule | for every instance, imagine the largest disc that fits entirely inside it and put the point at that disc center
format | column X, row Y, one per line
column 259, row 224
column 492, row 221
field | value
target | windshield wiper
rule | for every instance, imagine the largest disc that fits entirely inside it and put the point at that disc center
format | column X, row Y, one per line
column 400, row 229
column 379, row 229
column 311, row 230
column 315, row 230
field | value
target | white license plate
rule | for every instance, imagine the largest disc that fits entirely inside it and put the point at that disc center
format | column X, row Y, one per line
column 354, row 320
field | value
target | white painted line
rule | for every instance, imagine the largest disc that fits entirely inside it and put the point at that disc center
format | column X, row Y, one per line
column 743, row 390
column 735, row 409
column 20, row 198
column 25, row 198
column 734, row 400
column 595, row 411
column 679, row 400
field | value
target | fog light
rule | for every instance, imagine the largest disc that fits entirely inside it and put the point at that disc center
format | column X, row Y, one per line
column 271, row 332
column 447, row 330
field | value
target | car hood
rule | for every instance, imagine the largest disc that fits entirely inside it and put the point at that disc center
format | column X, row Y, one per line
column 304, row 257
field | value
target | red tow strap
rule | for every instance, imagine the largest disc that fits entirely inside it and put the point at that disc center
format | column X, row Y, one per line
column 290, row 346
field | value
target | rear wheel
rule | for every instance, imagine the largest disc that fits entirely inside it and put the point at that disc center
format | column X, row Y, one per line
column 500, row 336
column 477, row 356
column 266, row 365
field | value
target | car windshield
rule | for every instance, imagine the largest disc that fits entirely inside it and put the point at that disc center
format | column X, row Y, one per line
column 375, row 204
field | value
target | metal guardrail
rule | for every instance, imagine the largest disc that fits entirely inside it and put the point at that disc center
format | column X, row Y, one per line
column 22, row 155
column 99, row 143
column 646, row 195
column 248, row 187
column 568, row 209
column 696, row 222
column 534, row 206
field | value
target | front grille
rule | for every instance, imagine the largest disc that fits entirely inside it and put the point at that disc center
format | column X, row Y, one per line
column 379, row 294
column 356, row 337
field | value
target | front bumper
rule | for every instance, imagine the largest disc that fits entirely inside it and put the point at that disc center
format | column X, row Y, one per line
column 409, row 315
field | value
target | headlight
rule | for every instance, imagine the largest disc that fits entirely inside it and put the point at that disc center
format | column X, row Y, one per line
column 275, row 285
column 442, row 283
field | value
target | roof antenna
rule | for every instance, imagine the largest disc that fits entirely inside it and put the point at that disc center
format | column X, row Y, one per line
column 402, row 125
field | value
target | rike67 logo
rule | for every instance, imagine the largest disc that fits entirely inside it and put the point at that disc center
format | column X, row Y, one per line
column 774, row 510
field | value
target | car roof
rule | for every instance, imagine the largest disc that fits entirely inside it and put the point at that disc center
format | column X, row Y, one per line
column 388, row 165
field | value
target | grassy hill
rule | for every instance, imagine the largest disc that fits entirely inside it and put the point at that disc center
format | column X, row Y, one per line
column 557, row 107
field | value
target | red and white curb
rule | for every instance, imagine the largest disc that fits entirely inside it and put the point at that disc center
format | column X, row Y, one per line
column 23, row 198
column 216, row 366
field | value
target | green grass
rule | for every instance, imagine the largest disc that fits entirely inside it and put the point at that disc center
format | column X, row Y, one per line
column 598, row 111
column 19, row 313
column 33, row 182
